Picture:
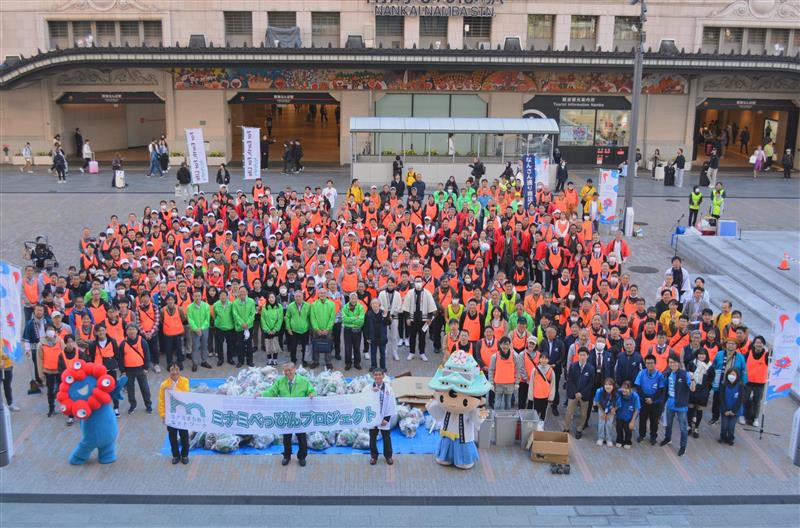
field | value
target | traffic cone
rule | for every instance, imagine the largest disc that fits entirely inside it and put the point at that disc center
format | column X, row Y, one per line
column 784, row 265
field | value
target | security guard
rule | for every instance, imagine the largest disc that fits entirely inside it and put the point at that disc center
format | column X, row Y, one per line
column 695, row 199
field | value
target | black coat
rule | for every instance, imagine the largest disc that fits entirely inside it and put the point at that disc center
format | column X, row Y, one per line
column 580, row 381
column 702, row 390
column 376, row 327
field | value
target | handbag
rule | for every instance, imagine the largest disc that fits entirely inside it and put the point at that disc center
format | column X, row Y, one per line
column 321, row 345
column 753, row 159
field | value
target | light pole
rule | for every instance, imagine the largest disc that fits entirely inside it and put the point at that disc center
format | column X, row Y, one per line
column 637, row 93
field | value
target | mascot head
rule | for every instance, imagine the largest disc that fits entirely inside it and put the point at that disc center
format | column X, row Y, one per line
column 459, row 384
column 84, row 388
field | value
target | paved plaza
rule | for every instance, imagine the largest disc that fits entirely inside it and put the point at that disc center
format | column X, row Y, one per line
column 751, row 484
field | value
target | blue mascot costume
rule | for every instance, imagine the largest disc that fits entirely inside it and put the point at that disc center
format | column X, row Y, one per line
column 86, row 392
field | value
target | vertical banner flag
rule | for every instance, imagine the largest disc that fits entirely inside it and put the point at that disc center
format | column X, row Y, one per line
column 196, row 153
column 542, row 171
column 785, row 353
column 529, row 179
column 251, row 153
column 11, row 321
column 608, row 189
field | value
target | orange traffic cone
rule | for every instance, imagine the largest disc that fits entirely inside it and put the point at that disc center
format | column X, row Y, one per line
column 784, row 265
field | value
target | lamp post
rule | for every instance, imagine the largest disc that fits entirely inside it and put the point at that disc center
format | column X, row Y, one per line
column 637, row 93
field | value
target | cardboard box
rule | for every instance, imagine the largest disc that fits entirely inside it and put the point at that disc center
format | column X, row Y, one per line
column 415, row 387
column 550, row 447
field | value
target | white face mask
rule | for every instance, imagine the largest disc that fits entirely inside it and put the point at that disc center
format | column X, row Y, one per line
column 732, row 377
column 283, row 291
column 571, row 298
column 736, row 320
column 600, row 346
column 417, row 286
column 51, row 334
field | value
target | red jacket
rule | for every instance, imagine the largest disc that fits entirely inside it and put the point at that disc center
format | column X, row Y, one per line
column 625, row 251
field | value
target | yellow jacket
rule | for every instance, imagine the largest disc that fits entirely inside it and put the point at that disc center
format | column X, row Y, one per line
column 5, row 361
column 356, row 192
column 588, row 206
column 181, row 386
column 411, row 177
column 586, row 192
column 666, row 321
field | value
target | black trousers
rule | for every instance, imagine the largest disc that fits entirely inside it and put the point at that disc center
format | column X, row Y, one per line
column 556, row 380
column 522, row 395
column 623, row 432
column 436, row 332
column 416, row 334
column 152, row 343
column 540, row 406
column 8, row 375
column 220, row 337
column 352, row 347
column 244, row 347
column 140, row 377
column 52, row 387
column 173, row 442
column 715, row 412
column 302, row 446
column 693, row 216
column 650, row 412
column 173, row 348
column 336, row 335
column 373, row 443
column 294, row 340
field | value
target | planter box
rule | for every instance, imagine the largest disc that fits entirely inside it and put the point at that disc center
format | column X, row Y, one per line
column 42, row 160
column 215, row 160
column 175, row 161
column 17, row 160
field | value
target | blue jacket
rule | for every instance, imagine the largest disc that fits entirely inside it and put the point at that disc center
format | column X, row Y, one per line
column 29, row 334
column 628, row 367
column 555, row 352
column 739, row 364
column 732, row 398
column 627, row 406
column 652, row 387
column 678, row 389
column 580, row 380
column 376, row 327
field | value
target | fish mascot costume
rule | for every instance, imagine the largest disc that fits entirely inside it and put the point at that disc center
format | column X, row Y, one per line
column 459, row 388
column 86, row 392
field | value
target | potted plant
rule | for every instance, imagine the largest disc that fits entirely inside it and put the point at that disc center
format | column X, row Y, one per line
column 6, row 148
column 215, row 157
column 42, row 157
column 175, row 158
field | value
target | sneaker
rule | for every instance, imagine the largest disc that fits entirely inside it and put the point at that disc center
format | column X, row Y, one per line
column 599, row 443
column 626, row 446
column 14, row 408
column 682, row 450
column 395, row 356
column 116, row 413
column 423, row 357
column 205, row 364
column 741, row 420
column 639, row 439
column 148, row 410
column 696, row 433
column 653, row 441
column 713, row 421
column 665, row 442
column 756, row 423
column 157, row 369
column 618, row 445
column 70, row 420
column 609, row 444
column 82, row 169
column 410, row 357
column 366, row 355
column 578, row 435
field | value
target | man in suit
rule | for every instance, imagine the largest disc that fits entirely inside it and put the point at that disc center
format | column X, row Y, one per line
column 580, row 388
column 602, row 363
column 556, row 353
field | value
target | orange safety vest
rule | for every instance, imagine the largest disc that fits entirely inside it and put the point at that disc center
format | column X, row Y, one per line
column 472, row 325
column 133, row 355
column 487, row 351
column 661, row 359
column 105, row 352
column 173, row 326
column 757, row 368
column 712, row 352
column 147, row 318
column 349, row 281
column 50, row 355
column 678, row 341
column 647, row 344
column 31, row 291
column 541, row 386
column 115, row 331
column 519, row 343
column 504, row 369
column 530, row 363
column 98, row 312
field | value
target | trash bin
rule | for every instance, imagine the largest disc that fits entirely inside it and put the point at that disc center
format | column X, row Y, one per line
column 505, row 428
column 485, row 432
column 528, row 419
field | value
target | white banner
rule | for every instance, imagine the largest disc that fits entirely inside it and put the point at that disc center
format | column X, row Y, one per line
column 785, row 353
column 196, row 154
column 542, row 170
column 251, row 153
column 218, row 413
column 608, row 187
column 11, row 321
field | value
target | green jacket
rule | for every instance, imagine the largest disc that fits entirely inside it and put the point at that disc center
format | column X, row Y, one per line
column 271, row 318
column 323, row 314
column 298, row 319
column 199, row 316
column 353, row 318
column 695, row 199
column 512, row 322
column 301, row 388
column 244, row 312
column 223, row 315
column 717, row 201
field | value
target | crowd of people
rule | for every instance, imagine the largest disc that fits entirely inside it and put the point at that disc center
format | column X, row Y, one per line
column 533, row 292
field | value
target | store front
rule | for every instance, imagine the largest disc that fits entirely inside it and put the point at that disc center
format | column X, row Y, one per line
column 594, row 129
column 763, row 120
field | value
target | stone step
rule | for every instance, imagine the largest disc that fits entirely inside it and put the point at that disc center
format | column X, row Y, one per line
column 758, row 276
column 757, row 313
column 769, row 253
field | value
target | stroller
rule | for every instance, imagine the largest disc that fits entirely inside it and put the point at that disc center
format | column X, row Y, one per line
column 40, row 253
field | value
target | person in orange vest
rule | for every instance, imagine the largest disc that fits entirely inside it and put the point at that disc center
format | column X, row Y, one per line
column 49, row 350
column 104, row 351
column 504, row 374
column 542, row 388
column 757, row 362
column 135, row 355
column 32, row 287
column 173, row 320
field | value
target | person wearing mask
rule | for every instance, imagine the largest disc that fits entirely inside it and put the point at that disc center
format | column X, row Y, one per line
column 580, row 385
column 627, row 407
column 391, row 304
column 732, row 393
column 699, row 366
column 555, row 349
column 198, row 315
column 504, row 369
column 353, row 315
column 292, row 385
column 322, row 317
column 297, row 322
column 695, row 199
column 605, row 400
column 387, row 408
column 679, row 385
column 177, row 383
column 726, row 359
column 105, row 351
column 602, row 363
column 49, row 351
column 223, row 176
column 271, row 321
column 377, row 325
column 419, row 308
column 135, row 363
column 223, row 328
column 757, row 362
column 717, row 200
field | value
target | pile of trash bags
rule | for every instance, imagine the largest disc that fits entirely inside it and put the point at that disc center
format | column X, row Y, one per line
column 253, row 381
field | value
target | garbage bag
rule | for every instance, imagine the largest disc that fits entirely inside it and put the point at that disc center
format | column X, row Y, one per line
column 347, row 437
column 408, row 426
column 226, row 443
column 362, row 440
column 318, row 441
column 264, row 441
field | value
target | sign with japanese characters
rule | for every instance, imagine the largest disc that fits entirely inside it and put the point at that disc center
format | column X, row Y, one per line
column 529, row 179
column 218, row 413
column 785, row 353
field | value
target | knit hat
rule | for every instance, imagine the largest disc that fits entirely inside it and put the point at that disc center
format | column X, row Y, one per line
column 461, row 374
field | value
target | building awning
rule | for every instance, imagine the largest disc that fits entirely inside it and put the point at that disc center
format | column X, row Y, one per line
column 745, row 103
column 109, row 98
column 453, row 125
column 283, row 98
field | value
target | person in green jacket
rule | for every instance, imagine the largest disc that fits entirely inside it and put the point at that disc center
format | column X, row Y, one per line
column 223, row 327
column 695, row 199
column 717, row 201
column 518, row 315
column 198, row 314
column 323, row 316
column 271, row 324
column 297, row 321
column 353, row 314
column 244, row 314
column 292, row 385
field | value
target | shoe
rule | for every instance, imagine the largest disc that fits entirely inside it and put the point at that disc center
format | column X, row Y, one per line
column 665, row 442
column 390, row 461
column 554, row 410
column 756, row 423
column 194, row 368
column 395, row 356
column 14, row 408
column 618, row 445
column 578, row 435
column 358, row 367
column 713, row 421
column 410, row 357
column 116, row 413
column 681, row 451
column 184, row 460
column 175, row 460
column 302, row 462
column 70, row 420
column 82, row 169
column 609, row 444
column 205, row 364
column 373, row 461
column 347, row 367
column 50, row 413
column 423, row 357
column 251, row 364
column 639, row 439
column 653, row 441
column 328, row 366
column 626, row 446
column 239, row 365
column 741, row 420
column 131, row 410
column 599, row 443
column 231, row 362
column 149, row 410
column 157, row 369
column 285, row 461
column 695, row 434
column 731, row 442
column 720, row 440
column 366, row 355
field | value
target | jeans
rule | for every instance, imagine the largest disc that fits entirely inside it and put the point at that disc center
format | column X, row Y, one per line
column 173, row 442
column 352, row 347
column 373, row 443
column 727, row 427
column 679, row 177
column 682, row 424
column 200, row 347
column 392, row 331
column 140, row 377
column 302, row 446
column 374, row 350
column 605, row 425
column 503, row 394
column 155, row 167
